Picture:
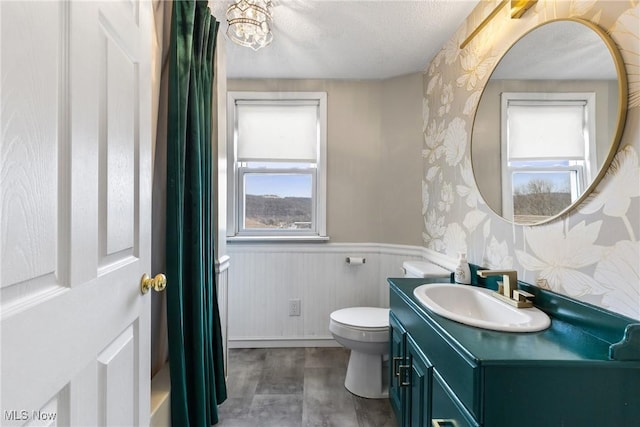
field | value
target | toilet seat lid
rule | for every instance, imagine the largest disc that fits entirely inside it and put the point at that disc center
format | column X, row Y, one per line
column 363, row 317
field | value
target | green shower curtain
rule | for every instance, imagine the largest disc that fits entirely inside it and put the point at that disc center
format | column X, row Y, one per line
column 195, row 340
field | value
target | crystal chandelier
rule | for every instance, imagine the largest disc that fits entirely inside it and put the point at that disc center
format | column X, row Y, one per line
column 249, row 23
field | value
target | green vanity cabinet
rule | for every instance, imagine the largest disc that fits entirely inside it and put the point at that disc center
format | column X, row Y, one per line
column 410, row 380
column 418, row 397
column 397, row 351
column 446, row 410
column 419, row 372
column 446, row 374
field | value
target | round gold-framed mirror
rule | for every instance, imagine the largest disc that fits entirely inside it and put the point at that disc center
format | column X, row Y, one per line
column 549, row 121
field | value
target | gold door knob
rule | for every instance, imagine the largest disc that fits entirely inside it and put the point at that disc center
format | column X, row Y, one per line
column 158, row 283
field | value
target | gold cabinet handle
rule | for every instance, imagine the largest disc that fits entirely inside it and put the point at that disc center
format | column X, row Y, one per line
column 396, row 371
column 158, row 283
column 443, row 423
column 405, row 380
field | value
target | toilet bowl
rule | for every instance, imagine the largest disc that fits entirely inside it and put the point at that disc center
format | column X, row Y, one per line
column 365, row 331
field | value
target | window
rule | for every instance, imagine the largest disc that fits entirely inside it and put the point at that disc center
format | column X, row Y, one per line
column 549, row 154
column 277, row 165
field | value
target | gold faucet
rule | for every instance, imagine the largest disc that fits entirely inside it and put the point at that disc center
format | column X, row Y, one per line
column 508, row 289
column 509, row 280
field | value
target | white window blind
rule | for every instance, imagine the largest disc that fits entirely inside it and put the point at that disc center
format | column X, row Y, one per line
column 546, row 132
column 286, row 132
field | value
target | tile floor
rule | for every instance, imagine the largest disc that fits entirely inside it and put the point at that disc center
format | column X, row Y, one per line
column 296, row 387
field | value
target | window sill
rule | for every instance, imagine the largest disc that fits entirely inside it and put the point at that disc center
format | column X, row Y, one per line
column 297, row 239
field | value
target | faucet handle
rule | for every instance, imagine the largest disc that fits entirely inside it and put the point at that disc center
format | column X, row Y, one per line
column 520, row 295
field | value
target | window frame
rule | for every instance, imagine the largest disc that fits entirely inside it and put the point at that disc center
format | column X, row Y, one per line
column 584, row 168
column 236, row 170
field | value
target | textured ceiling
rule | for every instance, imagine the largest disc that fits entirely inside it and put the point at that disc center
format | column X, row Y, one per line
column 558, row 50
column 348, row 39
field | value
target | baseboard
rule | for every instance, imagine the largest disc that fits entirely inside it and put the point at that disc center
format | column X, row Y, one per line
column 160, row 398
column 262, row 342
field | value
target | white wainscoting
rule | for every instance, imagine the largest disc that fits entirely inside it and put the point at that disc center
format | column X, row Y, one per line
column 222, row 282
column 264, row 277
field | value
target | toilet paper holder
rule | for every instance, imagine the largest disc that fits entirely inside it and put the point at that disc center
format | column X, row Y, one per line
column 352, row 260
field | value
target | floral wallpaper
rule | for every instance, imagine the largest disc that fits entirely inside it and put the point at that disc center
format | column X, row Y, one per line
column 591, row 254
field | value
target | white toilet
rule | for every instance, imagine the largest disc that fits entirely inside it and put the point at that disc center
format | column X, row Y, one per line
column 365, row 331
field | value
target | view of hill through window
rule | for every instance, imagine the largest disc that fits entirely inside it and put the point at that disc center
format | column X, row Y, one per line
column 278, row 201
column 272, row 211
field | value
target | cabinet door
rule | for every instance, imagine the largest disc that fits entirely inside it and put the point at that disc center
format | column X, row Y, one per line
column 75, row 212
column 446, row 409
column 397, row 335
column 419, row 398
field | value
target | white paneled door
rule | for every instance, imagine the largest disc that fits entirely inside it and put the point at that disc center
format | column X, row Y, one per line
column 75, row 181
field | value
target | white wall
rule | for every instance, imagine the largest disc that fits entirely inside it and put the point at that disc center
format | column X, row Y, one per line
column 401, row 161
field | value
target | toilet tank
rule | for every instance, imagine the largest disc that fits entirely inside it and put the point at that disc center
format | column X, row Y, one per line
column 423, row 269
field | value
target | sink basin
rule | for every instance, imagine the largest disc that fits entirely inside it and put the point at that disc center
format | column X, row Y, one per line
column 478, row 307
